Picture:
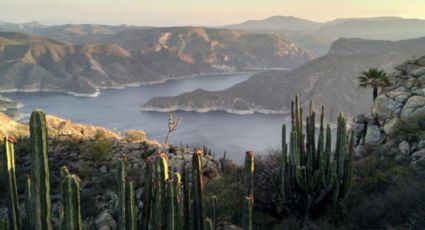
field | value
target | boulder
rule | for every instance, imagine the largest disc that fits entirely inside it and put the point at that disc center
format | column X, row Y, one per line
column 373, row 135
column 105, row 221
column 227, row 226
column 414, row 106
column 404, row 147
column 390, row 126
column 419, row 158
column 418, row 72
column 386, row 108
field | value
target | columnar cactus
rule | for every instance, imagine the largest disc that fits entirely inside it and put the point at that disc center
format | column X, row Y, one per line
column 248, row 203
column 197, row 186
column 209, row 224
column 28, row 199
column 131, row 210
column 40, row 177
column 147, row 196
column 12, row 191
column 70, row 198
column 171, row 207
column 159, row 195
column 178, row 200
column 312, row 176
column 186, row 200
column 122, row 177
column 214, row 204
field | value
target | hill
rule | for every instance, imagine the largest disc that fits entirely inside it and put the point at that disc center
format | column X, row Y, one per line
column 330, row 80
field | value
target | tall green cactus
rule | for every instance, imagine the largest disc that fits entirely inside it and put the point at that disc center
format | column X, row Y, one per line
column 147, row 196
column 248, row 203
column 159, row 203
column 187, row 224
column 171, row 215
column 12, row 190
column 209, row 224
column 177, row 184
column 197, row 186
column 130, row 203
column 214, row 204
column 70, row 198
column 122, row 177
column 313, row 176
column 248, row 213
column 40, row 175
column 28, row 199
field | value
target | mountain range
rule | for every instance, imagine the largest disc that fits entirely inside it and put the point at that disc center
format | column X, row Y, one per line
column 318, row 36
column 136, row 56
column 330, row 79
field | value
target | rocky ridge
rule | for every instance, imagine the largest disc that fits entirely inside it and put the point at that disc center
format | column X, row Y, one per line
column 30, row 63
column 400, row 106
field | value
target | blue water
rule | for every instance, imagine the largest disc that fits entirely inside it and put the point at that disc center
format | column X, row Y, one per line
column 119, row 109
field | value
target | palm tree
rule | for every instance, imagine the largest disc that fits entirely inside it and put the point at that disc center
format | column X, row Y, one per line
column 374, row 78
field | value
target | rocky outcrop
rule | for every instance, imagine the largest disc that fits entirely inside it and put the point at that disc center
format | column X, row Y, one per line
column 400, row 106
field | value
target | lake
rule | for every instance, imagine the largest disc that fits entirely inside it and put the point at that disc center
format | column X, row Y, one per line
column 119, row 109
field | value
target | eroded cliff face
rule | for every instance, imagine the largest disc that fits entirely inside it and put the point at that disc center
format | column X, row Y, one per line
column 396, row 123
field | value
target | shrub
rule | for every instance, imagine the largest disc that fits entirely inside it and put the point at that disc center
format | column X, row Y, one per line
column 386, row 194
column 135, row 135
column 97, row 150
column 411, row 129
column 229, row 190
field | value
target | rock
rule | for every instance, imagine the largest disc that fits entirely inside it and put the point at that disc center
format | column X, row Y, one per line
column 360, row 118
column 418, row 72
column 227, row 226
column 360, row 151
column 414, row 106
column 421, row 144
column 419, row 158
column 386, row 108
column 103, row 169
column 421, row 61
column 373, row 135
column 389, row 126
column 358, row 128
column 105, row 221
column 404, row 148
column 419, row 155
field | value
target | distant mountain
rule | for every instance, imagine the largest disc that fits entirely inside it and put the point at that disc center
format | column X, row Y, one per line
column 330, row 80
column 278, row 23
column 33, row 63
column 317, row 36
column 383, row 28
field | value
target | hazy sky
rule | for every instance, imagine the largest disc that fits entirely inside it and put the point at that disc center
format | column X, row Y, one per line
column 198, row 12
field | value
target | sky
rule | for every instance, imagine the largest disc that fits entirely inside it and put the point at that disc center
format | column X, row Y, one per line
column 198, row 12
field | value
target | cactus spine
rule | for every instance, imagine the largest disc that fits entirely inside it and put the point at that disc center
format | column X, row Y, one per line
column 197, row 185
column 312, row 176
column 248, row 204
column 40, row 176
column 12, row 190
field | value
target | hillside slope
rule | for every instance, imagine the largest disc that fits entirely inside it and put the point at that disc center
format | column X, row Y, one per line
column 330, row 80
column 32, row 63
